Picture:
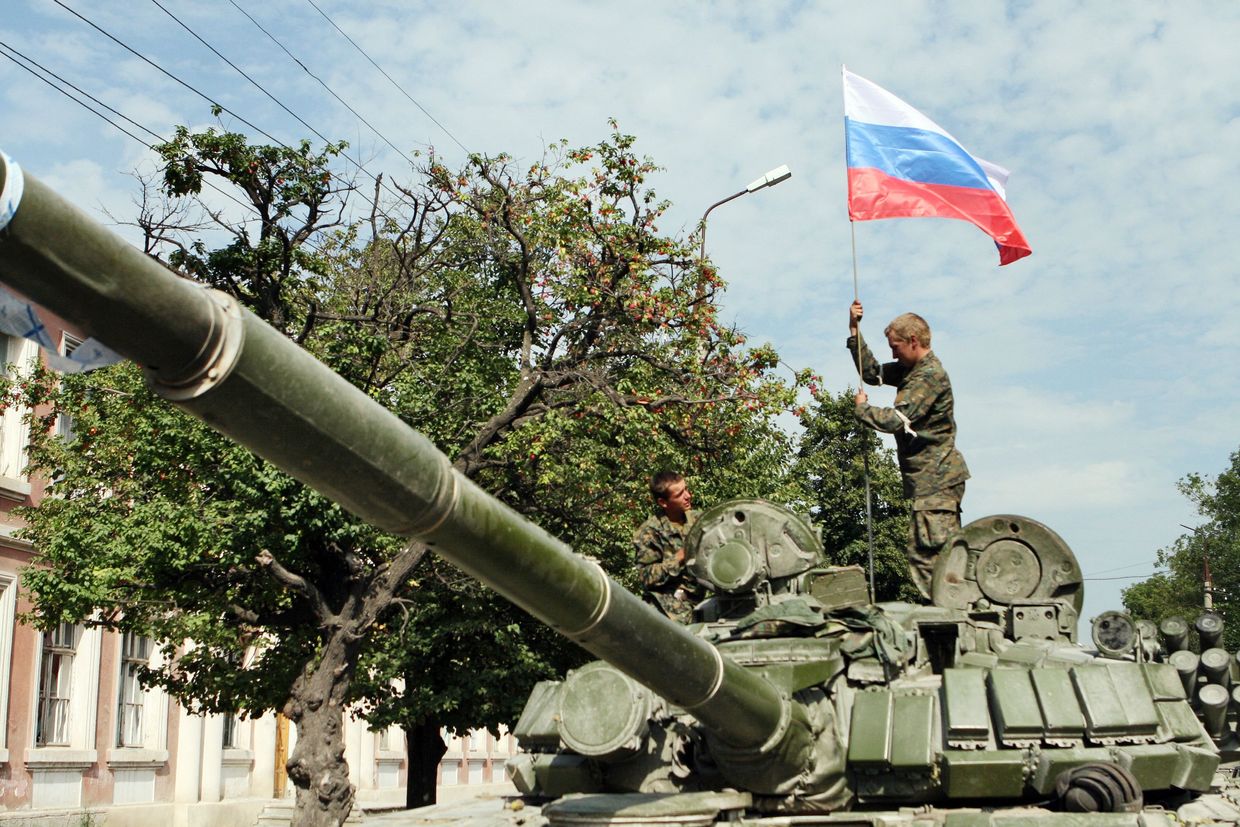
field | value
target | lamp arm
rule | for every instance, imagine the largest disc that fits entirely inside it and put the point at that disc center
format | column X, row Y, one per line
column 702, row 223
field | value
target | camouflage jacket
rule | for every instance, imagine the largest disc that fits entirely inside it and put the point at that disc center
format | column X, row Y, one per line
column 655, row 544
column 923, row 424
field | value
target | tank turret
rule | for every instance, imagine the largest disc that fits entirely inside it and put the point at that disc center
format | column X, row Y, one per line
column 791, row 695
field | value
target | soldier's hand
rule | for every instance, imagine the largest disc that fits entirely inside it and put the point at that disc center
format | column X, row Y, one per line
column 855, row 312
column 861, row 397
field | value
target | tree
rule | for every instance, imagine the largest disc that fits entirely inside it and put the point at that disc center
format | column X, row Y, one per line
column 615, row 362
column 1179, row 591
column 831, row 466
column 532, row 321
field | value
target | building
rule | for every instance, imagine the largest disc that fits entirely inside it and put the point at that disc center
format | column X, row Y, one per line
column 84, row 741
column 82, row 737
column 474, row 765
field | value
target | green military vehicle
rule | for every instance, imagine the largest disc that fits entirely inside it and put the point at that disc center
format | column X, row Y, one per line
column 980, row 708
column 793, row 700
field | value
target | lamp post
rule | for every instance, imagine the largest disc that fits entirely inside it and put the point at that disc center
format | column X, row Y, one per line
column 775, row 176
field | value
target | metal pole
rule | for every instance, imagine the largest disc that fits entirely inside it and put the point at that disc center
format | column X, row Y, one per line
column 702, row 223
column 865, row 453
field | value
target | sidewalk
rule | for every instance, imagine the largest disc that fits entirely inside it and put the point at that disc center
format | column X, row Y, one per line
column 468, row 805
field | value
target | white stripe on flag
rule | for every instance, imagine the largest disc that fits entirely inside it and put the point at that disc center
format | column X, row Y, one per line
column 867, row 102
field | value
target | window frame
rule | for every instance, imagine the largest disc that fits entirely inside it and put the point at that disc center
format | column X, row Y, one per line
column 8, row 627
column 133, row 700
column 53, row 649
column 21, row 353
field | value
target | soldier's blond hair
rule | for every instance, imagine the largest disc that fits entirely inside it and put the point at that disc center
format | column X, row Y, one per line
column 907, row 325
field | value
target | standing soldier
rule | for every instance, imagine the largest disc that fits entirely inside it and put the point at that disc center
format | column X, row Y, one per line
column 659, row 544
column 925, row 430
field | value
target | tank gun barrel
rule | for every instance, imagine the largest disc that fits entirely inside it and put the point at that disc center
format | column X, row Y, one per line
column 219, row 362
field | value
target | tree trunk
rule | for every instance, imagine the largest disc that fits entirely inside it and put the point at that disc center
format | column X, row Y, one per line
column 426, row 748
column 317, row 698
column 317, row 766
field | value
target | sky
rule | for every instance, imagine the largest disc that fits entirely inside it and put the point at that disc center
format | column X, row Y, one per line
column 1089, row 378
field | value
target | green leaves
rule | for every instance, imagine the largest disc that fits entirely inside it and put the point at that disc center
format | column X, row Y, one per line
column 154, row 524
column 1217, row 540
column 562, row 351
column 530, row 319
column 294, row 200
column 831, row 467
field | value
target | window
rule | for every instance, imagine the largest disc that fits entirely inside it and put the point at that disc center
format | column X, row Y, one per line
column 64, row 422
column 16, row 355
column 55, row 678
column 8, row 608
column 230, row 740
column 232, row 721
column 131, row 726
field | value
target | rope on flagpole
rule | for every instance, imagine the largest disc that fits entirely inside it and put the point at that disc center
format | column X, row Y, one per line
column 865, row 454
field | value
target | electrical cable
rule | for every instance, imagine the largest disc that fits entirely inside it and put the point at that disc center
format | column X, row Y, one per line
column 208, row 182
column 215, row 103
column 1128, row 576
column 320, row 81
column 243, row 74
column 1121, row 568
column 356, row 162
column 152, row 63
column 84, row 105
column 389, row 77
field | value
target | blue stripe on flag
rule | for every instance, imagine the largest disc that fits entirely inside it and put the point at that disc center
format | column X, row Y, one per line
column 916, row 155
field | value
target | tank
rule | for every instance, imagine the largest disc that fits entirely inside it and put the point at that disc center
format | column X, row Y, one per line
column 793, row 699
column 982, row 703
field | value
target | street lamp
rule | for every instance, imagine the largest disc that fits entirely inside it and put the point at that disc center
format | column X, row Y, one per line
column 775, row 176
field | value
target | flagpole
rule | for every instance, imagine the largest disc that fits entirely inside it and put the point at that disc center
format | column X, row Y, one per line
column 865, row 454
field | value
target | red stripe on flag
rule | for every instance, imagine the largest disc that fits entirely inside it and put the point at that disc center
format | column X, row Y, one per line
column 872, row 194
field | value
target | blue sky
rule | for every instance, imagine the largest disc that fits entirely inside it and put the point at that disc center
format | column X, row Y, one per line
column 1089, row 377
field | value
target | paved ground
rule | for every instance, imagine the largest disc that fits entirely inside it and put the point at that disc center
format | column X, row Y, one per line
column 468, row 803
column 479, row 810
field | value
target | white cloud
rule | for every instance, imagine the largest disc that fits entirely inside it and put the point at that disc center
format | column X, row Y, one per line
column 1089, row 377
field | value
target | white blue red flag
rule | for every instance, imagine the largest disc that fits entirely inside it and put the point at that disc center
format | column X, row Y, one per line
column 901, row 164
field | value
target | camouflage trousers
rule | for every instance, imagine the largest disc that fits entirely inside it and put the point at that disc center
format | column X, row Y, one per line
column 934, row 520
column 677, row 605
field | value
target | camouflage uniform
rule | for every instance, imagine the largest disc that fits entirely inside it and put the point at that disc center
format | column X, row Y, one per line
column 933, row 470
column 667, row 583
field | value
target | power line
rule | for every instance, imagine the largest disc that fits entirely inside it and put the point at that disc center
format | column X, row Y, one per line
column 211, row 100
column 357, row 163
column 5, row 48
column 321, row 82
column 389, row 77
column 1121, row 568
column 241, row 72
column 152, row 63
column 81, row 103
column 1128, row 576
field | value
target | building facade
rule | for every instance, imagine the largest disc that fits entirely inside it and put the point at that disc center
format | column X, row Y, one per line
column 84, row 742
column 475, row 765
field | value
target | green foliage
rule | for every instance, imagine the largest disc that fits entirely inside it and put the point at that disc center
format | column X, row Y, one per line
column 531, row 321
column 583, row 354
column 1179, row 591
column 154, row 524
column 269, row 263
column 831, row 467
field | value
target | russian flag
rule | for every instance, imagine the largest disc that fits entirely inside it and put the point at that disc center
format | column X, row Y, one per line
column 901, row 164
